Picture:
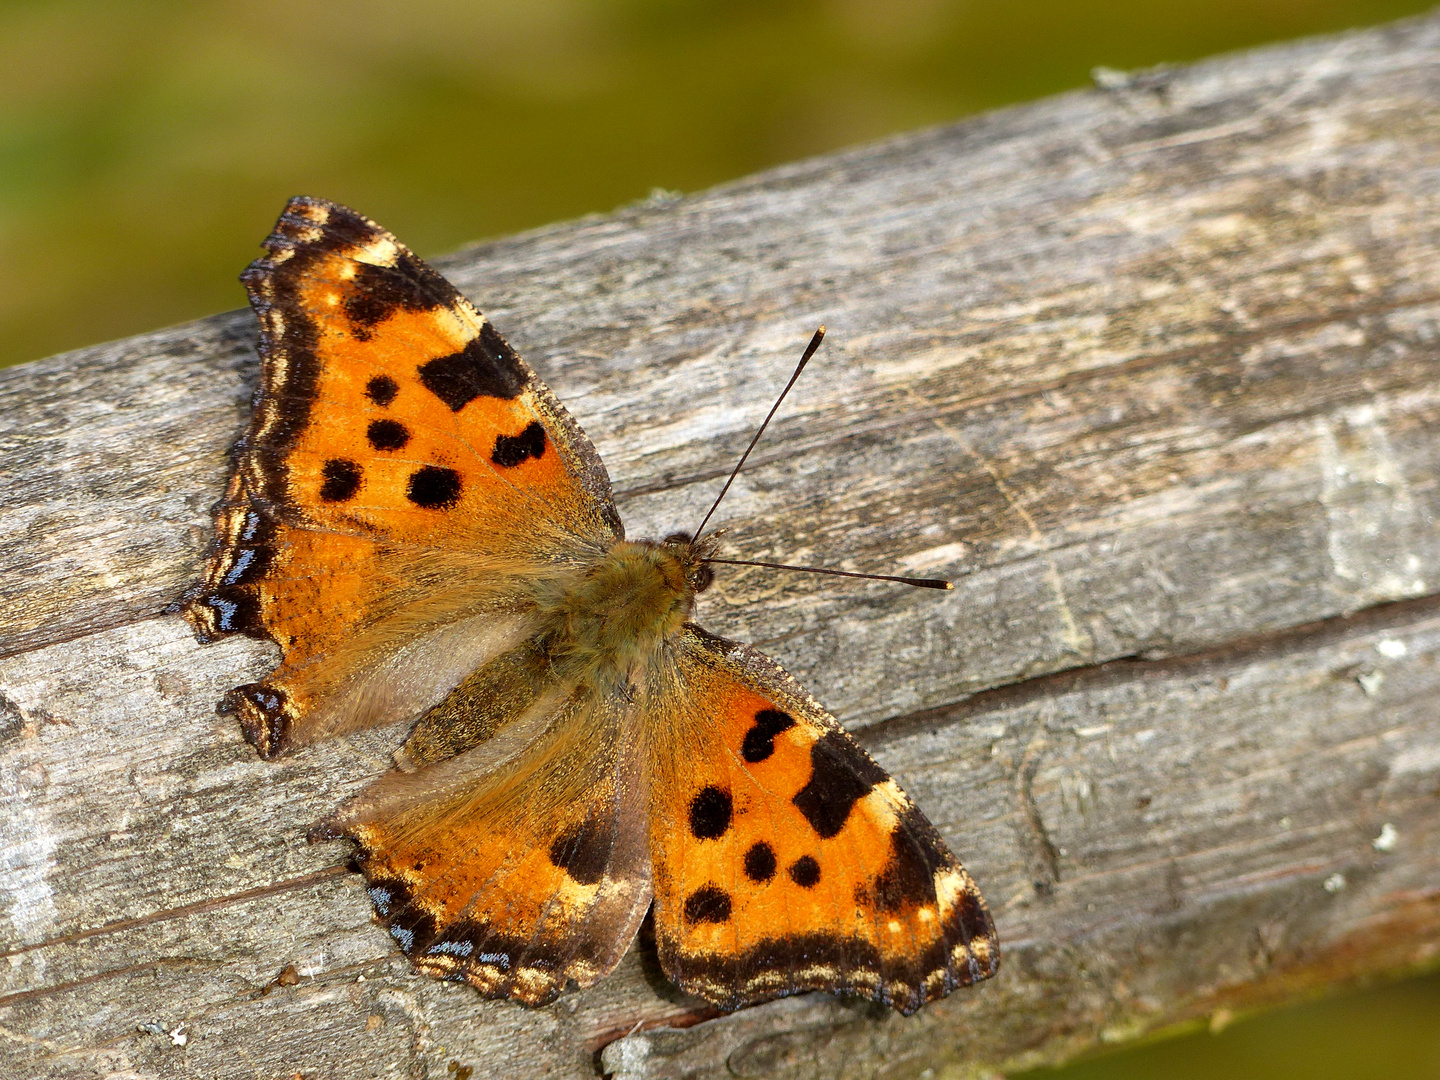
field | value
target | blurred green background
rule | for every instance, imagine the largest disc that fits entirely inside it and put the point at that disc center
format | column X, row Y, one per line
column 146, row 148
column 1390, row 1032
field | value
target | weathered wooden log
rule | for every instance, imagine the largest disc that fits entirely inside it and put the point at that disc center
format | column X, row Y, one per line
column 1153, row 371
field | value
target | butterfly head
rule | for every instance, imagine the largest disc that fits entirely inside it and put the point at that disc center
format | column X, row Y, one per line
column 694, row 558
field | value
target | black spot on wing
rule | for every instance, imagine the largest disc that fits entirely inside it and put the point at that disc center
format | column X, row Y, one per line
column 382, row 390
column 377, row 292
column 760, row 862
column 486, row 367
column 387, row 434
column 311, row 232
column 710, row 813
column 583, row 850
column 841, row 774
column 434, row 487
column 805, row 872
column 707, row 904
column 511, row 450
column 759, row 742
column 342, row 480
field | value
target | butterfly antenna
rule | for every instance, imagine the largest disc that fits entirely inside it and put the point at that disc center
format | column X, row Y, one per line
column 809, row 352
column 918, row 582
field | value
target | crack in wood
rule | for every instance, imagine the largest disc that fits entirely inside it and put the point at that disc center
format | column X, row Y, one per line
column 100, row 976
column 1304, row 637
column 1044, row 858
column 185, row 910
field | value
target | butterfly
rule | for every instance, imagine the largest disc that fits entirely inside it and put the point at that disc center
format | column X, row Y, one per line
column 428, row 535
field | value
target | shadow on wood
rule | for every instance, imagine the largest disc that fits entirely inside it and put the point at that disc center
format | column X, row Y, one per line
column 1153, row 372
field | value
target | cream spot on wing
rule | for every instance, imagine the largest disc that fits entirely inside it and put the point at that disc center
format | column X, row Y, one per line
column 382, row 251
column 346, row 271
column 533, row 983
column 571, row 895
column 582, row 972
column 485, row 977
column 884, row 804
column 949, row 886
column 448, row 324
column 313, row 212
column 894, row 926
column 890, row 792
column 865, row 978
column 277, row 257
column 308, row 235
column 926, row 914
column 817, row 972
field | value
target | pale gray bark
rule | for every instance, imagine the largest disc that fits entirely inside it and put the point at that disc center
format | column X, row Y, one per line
column 1151, row 371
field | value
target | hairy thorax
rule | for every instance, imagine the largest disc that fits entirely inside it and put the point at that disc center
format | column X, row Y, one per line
column 598, row 627
column 610, row 619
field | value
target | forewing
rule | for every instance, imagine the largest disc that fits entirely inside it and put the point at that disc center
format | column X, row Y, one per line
column 518, row 865
column 785, row 859
column 404, row 470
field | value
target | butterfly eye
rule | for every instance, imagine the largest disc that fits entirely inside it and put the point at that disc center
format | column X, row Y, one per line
column 702, row 578
column 679, row 538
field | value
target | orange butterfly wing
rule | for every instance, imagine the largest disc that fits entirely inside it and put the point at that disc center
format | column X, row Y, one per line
column 519, row 865
column 784, row 858
column 404, row 472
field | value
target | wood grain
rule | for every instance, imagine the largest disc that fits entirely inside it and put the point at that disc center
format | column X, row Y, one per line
column 1153, row 372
